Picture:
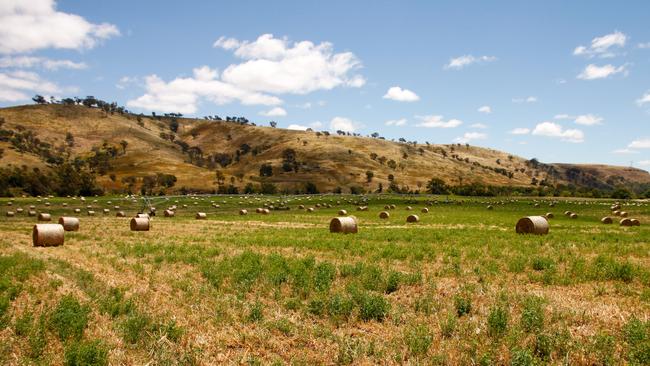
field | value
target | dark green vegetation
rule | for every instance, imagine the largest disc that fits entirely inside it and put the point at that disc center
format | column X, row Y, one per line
column 458, row 287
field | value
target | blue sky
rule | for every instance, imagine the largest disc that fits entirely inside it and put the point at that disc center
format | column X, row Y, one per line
column 557, row 80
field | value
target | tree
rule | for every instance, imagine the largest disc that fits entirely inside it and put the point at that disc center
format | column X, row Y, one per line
column 273, row 124
column 173, row 125
column 437, row 186
column 621, row 193
column 39, row 99
column 124, row 144
column 310, row 188
column 266, row 170
column 69, row 139
column 369, row 175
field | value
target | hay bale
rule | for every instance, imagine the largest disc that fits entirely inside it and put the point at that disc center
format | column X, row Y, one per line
column 19, row 210
column 549, row 215
column 77, row 210
column 169, row 213
column 392, row 207
column 47, row 235
column 573, row 215
column 425, row 210
column 140, row 224
column 32, row 207
column 10, row 214
column 490, row 207
column 120, row 214
column 387, row 207
column 623, row 214
column 635, row 222
column 64, row 204
column 69, row 223
column 106, row 211
column 412, row 218
column 301, row 207
column 346, row 225
column 47, row 203
column 617, row 213
column 625, row 222
column 384, row 215
column 91, row 213
column 567, row 213
column 311, row 209
column 265, row 211
column 10, row 203
column 143, row 216
column 31, row 213
column 44, row 217
column 606, row 220
column 243, row 212
column 343, row 213
column 409, row 208
column 201, row 216
column 532, row 225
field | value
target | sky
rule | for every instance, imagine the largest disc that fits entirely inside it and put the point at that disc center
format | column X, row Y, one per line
column 560, row 81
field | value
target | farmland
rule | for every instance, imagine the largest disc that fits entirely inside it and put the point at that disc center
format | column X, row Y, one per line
column 457, row 287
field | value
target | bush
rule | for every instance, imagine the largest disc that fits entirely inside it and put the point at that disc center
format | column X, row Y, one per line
column 463, row 305
column 393, row 282
column 418, row 339
column 340, row 306
column 86, row 353
column 448, row 326
column 498, row 321
column 69, row 318
column 324, row 275
column 373, row 307
column 532, row 314
column 134, row 327
column 255, row 314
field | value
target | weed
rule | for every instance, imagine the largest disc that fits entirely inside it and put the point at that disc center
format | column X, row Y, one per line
column 448, row 326
column 532, row 314
column 86, row 353
column 463, row 304
column 134, row 327
column 340, row 307
column 498, row 321
column 521, row 357
column 23, row 325
column 69, row 318
column 373, row 307
column 418, row 339
column 255, row 313
column 324, row 276
column 393, row 282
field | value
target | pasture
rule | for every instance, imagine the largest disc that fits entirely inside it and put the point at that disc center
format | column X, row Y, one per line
column 457, row 287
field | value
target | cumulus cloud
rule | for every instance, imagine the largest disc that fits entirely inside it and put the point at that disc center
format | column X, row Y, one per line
column 396, row 122
column 470, row 136
column 276, row 66
column 520, row 131
column 551, row 129
column 479, row 125
column 297, row 127
column 15, row 86
column 593, row 72
column 583, row 119
column 434, row 121
column 183, row 94
column 644, row 45
column 26, row 62
column 27, row 26
column 485, row 109
column 343, row 124
column 466, row 60
column 602, row 46
column 644, row 99
column 274, row 112
column 401, row 95
column 530, row 99
column 625, row 151
column 643, row 143
column 644, row 162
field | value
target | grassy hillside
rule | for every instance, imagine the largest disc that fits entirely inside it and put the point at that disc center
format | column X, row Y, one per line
column 125, row 148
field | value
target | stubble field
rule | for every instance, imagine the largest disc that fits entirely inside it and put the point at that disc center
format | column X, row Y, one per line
column 457, row 287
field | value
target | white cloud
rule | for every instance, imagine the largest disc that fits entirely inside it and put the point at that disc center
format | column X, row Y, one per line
column 297, row 127
column 625, row 151
column 437, row 122
column 551, row 129
column 316, row 124
column 479, row 125
column 15, row 86
column 593, row 72
column 469, row 136
column 530, row 99
column 401, row 95
column 26, row 26
column 273, row 65
column 644, row 45
column 588, row 120
column 274, row 112
column 396, row 122
column 520, row 131
column 183, row 94
column 126, row 81
column 462, row 61
column 343, row 124
column 602, row 46
column 644, row 163
column 644, row 99
column 643, row 143
column 485, row 109
column 25, row 62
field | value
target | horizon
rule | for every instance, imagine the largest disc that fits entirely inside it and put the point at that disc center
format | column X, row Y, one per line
column 572, row 90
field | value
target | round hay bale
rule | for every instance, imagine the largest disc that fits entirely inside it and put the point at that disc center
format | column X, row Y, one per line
column 343, row 213
column 311, row 209
column 384, row 215
column 392, row 207
column 106, row 211
column 549, row 215
column 10, row 203
column 409, row 208
column 567, row 213
column 44, row 217
column 617, row 213
column 635, row 222
column 425, row 210
column 47, row 203
column 31, row 213
column 623, row 214
column 243, row 212
column 140, row 224
column 346, row 225
column 91, row 213
column 31, row 207
column 64, row 204
column 10, row 214
column 573, row 215
column 120, row 214
column 201, row 216
column 387, row 207
column 142, row 216
column 412, row 218
column 625, row 222
column 169, row 213
column 616, row 207
column 606, row 220
column 537, row 205
column 265, row 211
column 116, row 207
column 69, row 223
column 77, row 210
column 19, row 210
column 532, row 225
column 490, row 207
column 47, row 235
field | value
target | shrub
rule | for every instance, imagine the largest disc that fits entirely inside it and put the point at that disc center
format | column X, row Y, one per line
column 448, row 326
column 86, row 353
column 373, row 307
column 532, row 314
column 498, row 321
column 134, row 327
column 255, row 313
column 340, row 306
column 418, row 339
column 69, row 318
column 317, row 306
column 521, row 357
column 372, row 278
column 324, row 275
column 393, row 282
column 463, row 305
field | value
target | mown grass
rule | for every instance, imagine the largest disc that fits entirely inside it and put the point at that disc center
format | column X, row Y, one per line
column 459, row 287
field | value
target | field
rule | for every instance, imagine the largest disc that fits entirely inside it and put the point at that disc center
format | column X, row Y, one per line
column 457, row 287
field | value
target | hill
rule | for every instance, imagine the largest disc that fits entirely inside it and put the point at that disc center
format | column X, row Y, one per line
column 127, row 151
